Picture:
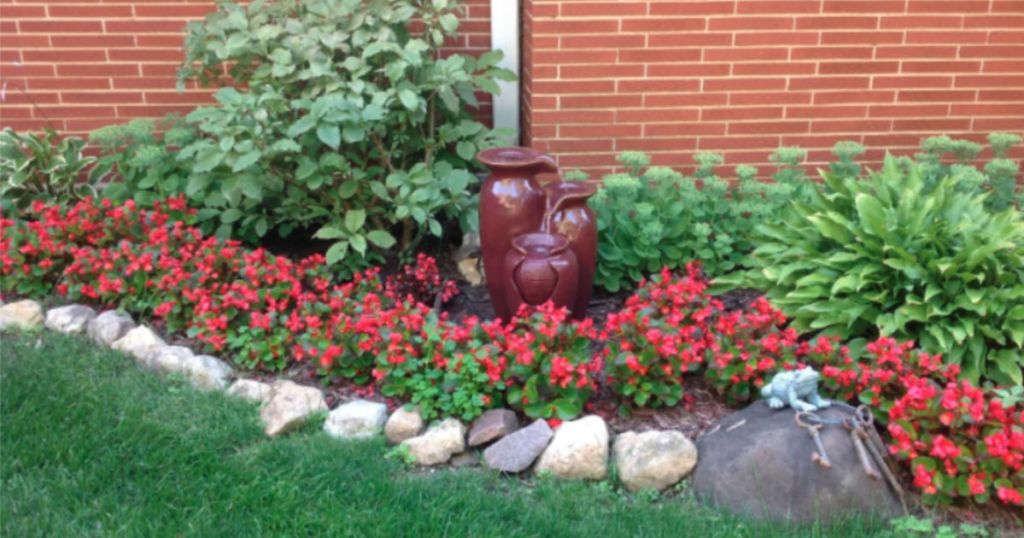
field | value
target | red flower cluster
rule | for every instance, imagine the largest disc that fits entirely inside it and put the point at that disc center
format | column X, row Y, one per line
column 266, row 311
column 960, row 440
column 663, row 331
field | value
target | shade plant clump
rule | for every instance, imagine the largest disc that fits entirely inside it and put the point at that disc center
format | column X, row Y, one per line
column 884, row 255
column 344, row 120
column 42, row 166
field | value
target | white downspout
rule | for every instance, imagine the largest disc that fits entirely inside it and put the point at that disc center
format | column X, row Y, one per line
column 505, row 37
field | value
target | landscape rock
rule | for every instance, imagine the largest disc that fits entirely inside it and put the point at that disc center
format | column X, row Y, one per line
column 579, row 450
column 250, row 389
column 758, row 463
column 290, row 406
column 169, row 359
column 403, row 424
column 493, row 424
column 140, row 343
column 518, row 450
column 69, row 319
column 356, row 419
column 109, row 327
column 24, row 315
column 208, row 373
column 438, row 444
column 653, row 459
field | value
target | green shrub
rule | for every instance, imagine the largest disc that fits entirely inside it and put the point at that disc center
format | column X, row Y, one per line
column 350, row 122
column 42, row 167
column 885, row 254
column 655, row 218
column 139, row 162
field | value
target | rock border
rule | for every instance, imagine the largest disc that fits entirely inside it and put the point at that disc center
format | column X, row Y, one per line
column 579, row 449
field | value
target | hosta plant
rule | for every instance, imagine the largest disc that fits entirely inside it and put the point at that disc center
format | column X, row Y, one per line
column 883, row 254
column 44, row 167
column 345, row 120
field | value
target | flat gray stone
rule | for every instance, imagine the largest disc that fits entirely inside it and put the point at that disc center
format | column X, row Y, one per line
column 758, row 463
column 517, row 451
column 169, row 359
column 493, row 424
column 109, row 327
column 69, row 319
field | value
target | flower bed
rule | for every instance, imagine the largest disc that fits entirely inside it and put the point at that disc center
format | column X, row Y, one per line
column 266, row 311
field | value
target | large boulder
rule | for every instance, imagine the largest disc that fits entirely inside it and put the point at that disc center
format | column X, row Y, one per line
column 69, row 319
column 579, row 450
column 356, row 419
column 290, row 407
column 140, row 342
column 438, row 444
column 493, row 424
column 757, row 463
column 403, row 424
column 653, row 459
column 109, row 327
column 251, row 390
column 515, row 452
column 24, row 315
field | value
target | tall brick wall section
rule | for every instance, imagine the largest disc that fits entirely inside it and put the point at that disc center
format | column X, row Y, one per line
column 672, row 77
column 77, row 65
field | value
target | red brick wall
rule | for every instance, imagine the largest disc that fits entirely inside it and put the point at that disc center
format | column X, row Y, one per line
column 77, row 65
column 742, row 77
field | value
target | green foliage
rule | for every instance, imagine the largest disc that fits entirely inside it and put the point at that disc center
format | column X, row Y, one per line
column 42, row 167
column 790, row 173
column 653, row 218
column 998, row 180
column 139, row 162
column 886, row 254
column 351, row 123
column 846, row 151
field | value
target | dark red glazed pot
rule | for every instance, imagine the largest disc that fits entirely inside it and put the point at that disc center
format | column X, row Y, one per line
column 569, row 215
column 540, row 267
column 511, row 204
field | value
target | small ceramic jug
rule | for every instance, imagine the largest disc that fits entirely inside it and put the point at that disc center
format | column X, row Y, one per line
column 569, row 215
column 540, row 267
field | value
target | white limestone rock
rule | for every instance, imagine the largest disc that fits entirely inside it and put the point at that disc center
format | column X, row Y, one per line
column 24, row 315
column 69, row 319
column 579, row 450
column 356, row 419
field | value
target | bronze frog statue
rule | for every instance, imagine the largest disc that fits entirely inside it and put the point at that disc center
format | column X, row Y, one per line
column 795, row 388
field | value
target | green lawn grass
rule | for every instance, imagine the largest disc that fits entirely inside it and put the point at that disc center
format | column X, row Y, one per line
column 92, row 445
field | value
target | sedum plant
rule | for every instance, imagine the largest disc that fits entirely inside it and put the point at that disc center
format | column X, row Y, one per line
column 346, row 120
column 139, row 162
column 886, row 255
column 42, row 167
column 651, row 217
